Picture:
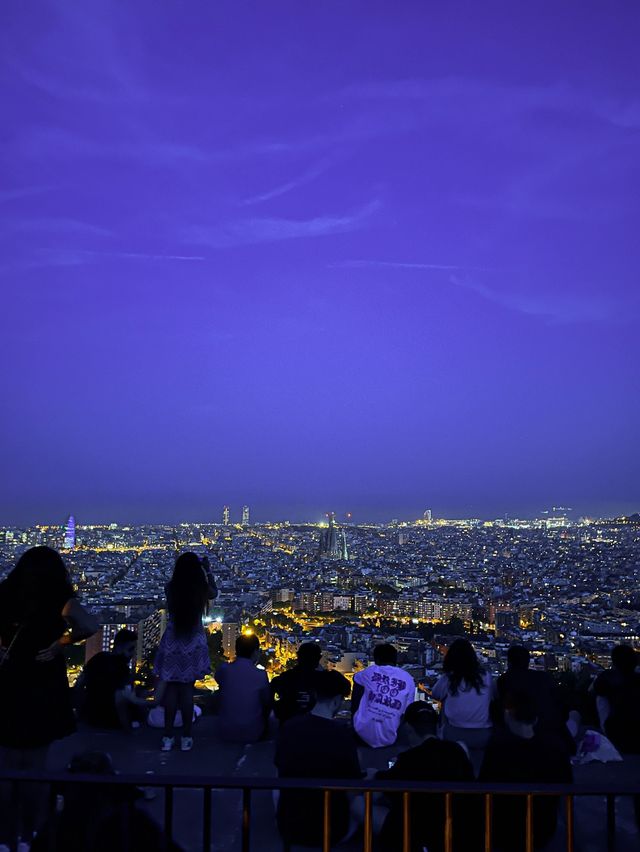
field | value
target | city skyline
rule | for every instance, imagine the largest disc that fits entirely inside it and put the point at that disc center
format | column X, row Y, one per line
column 341, row 257
column 318, row 517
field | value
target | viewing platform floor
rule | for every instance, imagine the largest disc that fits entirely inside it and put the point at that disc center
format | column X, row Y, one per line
column 140, row 752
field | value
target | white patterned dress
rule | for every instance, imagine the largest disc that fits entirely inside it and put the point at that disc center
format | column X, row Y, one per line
column 182, row 658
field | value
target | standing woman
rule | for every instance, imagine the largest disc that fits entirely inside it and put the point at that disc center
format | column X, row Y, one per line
column 183, row 655
column 39, row 616
column 466, row 691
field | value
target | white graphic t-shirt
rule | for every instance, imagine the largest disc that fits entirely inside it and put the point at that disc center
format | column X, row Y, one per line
column 387, row 692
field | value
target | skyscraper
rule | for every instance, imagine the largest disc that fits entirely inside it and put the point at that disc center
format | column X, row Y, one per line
column 70, row 533
column 225, row 516
column 245, row 516
column 427, row 516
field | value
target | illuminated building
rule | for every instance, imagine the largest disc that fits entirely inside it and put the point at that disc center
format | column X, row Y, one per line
column 150, row 632
column 507, row 620
column 225, row 516
column 70, row 533
column 245, row 516
column 428, row 517
column 283, row 595
column 103, row 639
column 424, row 608
column 333, row 544
column 230, row 632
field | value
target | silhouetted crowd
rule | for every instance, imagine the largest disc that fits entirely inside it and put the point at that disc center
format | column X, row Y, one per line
column 513, row 729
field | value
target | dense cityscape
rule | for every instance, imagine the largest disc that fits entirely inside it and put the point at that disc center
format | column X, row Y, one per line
column 320, row 518
column 567, row 588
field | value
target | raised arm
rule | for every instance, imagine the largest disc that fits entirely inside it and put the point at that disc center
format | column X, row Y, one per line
column 81, row 625
column 212, row 590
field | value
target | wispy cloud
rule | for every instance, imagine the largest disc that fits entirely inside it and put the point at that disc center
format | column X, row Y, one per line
column 91, row 66
column 59, row 226
column 267, row 230
column 489, row 97
column 394, row 264
column 57, row 87
column 141, row 256
column 49, row 143
column 277, row 191
column 557, row 307
column 80, row 257
column 22, row 192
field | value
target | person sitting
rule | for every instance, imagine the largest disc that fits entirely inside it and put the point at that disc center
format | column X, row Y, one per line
column 519, row 754
column 107, row 699
column 245, row 697
column 381, row 692
column 466, row 691
column 551, row 718
column 431, row 760
column 618, row 689
column 99, row 817
column 315, row 745
column 295, row 691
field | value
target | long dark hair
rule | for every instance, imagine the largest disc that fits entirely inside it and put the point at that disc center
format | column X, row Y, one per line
column 461, row 664
column 39, row 586
column 187, row 593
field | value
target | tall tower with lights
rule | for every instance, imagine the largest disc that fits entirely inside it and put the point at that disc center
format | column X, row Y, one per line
column 225, row 516
column 70, row 533
column 245, row 516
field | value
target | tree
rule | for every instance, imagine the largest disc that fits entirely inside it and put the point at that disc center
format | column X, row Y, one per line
column 455, row 627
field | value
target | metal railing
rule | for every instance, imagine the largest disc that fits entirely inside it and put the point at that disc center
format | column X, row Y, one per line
column 59, row 782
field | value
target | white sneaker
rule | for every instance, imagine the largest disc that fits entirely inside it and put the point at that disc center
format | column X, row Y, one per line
column 167, row 743
column 186, row 743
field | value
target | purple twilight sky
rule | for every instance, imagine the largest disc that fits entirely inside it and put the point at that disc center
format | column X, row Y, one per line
column 366, row 256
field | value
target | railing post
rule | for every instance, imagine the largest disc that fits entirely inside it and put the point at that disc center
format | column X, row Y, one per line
column 568, row 803
column 206, row 820
column 448, row 823
column 406, row 822
column 529, row 827
column 246, row 818
column 168, row 813
column 611, row 822
column 326, row 821
column 488, row 815
column 53, row 818
column 15, row 813
column 128, row 828
column 368, row 821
